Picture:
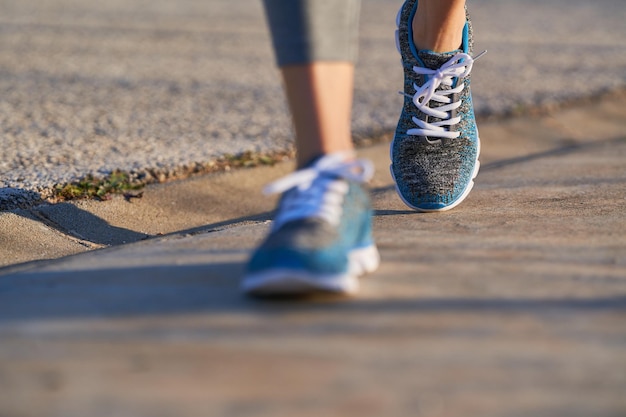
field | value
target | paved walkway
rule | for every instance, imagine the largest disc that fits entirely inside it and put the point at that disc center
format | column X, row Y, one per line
column 512, row 305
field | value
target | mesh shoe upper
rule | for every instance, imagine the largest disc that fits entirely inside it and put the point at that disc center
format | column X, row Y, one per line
column 323, row 218
column 435, row 148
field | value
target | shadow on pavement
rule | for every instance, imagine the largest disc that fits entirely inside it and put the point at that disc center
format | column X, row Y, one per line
column 253, row 218
column 71, row 220
column 116, row 292
column 559, row 151
column 214, row 288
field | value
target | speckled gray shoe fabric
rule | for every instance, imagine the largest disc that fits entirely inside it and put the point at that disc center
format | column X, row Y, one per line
column 434, row 153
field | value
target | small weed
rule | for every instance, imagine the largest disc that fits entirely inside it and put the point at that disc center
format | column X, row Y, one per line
column 97, row 188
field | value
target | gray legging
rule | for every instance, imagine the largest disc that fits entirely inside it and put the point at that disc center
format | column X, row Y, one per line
column 304, row 31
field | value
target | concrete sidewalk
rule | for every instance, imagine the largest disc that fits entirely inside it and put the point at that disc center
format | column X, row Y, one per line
column 512, row 305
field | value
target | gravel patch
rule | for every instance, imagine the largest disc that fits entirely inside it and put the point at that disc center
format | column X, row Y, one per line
column 89, row 88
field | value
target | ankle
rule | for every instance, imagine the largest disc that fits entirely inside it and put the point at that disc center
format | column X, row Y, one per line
column 439, row 43
column 439, row 26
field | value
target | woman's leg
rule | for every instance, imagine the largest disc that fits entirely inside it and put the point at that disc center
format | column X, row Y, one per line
column 320, row 99
column 315, row 42
column 321, row 236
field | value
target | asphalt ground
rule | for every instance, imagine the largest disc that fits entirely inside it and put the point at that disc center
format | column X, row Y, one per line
column 160, row 87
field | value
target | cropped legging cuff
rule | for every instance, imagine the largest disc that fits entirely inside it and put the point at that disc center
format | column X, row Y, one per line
column 304, row 31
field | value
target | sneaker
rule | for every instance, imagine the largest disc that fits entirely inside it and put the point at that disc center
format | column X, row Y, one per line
column 321, row 238
column 434, row 153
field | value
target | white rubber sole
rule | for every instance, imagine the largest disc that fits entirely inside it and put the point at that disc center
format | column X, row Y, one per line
column 458, row 200
column 281, row 281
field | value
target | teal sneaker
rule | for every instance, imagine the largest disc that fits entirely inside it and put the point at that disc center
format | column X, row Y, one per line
column 434, row 153
column 321, row 238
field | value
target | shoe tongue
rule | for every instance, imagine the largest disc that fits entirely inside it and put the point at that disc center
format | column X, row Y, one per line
column 434, row 60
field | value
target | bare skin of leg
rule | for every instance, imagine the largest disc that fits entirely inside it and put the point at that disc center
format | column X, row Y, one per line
column 438, row 24
column 320, row 100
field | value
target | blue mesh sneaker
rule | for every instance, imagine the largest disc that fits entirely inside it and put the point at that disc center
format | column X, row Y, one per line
column 321, row 238
column 434, row 153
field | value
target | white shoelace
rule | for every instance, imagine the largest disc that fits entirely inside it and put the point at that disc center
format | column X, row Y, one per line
column 460, row 65
column 319, row 189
